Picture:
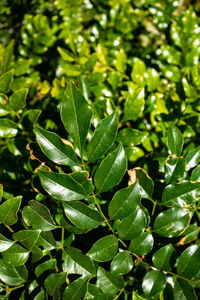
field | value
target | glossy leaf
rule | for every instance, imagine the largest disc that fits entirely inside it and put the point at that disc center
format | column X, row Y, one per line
column 188, row 263
column 132, row 226
column 192, row 158
column 54, row 148
column 62, row 186
column 81, row 215
column 181, row 194
column 78, row 263
column 104, row 249
column 94, row 292
column 9, row 209
column 195, row 176
column 124, row 202
column 174, row 140
column 5, row 81
column 15, row 255
column 53, row 284
column 183, row 290
column 27, row 238
column 12, row 275
column 131, row 137
column 17, row 100
column 122, row 263
column 5, row 243
column 142, row 244
column 103, row 137
column 172, row 222
column 109, row 283
column 46, row 241
column 38, row 216
column 45, row 266
column 121, row 61
column 76, row 115
column 111, row 170
column 164, row 258
column 8, row 128
column 174, row 168
column 144, row 182
column 191, row 233
column 153, row 283
column 76, row 290
column 134, row 106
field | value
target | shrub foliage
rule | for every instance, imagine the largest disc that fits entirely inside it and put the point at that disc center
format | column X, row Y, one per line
column 100, row 156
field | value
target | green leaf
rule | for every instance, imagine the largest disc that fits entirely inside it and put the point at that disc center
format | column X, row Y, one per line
column 111, row 170
column 8, row 128
column 172, row 222
column 191, row 233
column 133, row 225
column 188, row 263
column 81, row 215
column 54, row 148
column 121, row 61
column 195, row 176
column 142, row 244
column 164, row 258
column 53, row 284
column 46, row 241
column 17, row 100
column 62, row 186
column 181, row 194
column 82, row 177
column 5, row 81
column 174, row 168
column 144, row 182
column 12, row 275
column 8, row 55
column 153, row 79
column 76, row 290
column 101, row 52
column 131, row 137
column 138, row 72
column 153, row 283
column 78, row 263
column 172, row 73
column 192, row 158
column 9, row 209
column 104, row 249
column 174, row 140
column 15, row 255
column 94, row 292
column 76, row 115
column 134, row 106
column 122, row 263
column 5, row 243
column 45, row 266
column 38, row 216
column 27, row 238
column 109, row 283
column 183, row 290
column 103, row 137
column 124, row 202
column 65, row 54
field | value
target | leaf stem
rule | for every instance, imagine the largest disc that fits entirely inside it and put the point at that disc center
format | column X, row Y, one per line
column 184, row 278
column 121, row 291
column 15, row 288
column 9, row 228
column 104, row 217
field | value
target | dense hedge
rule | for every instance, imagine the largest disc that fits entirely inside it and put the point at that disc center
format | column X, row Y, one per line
column 99, row 156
